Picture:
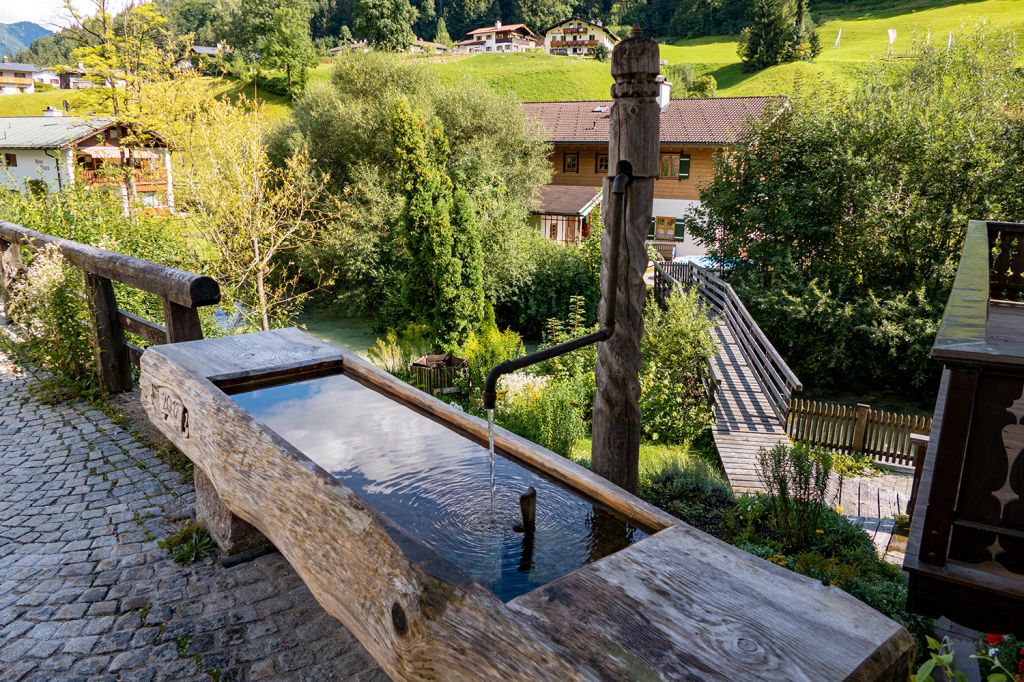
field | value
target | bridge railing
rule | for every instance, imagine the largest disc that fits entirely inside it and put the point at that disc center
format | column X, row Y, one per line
column 770, row 370
column 183, row 293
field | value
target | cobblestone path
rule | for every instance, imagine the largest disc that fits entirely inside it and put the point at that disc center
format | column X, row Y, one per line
column 86, row 594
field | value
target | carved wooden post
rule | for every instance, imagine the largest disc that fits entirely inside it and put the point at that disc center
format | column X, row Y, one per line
column 633, row 145
column 860, row 427
column 112, row 363
column 10, row 263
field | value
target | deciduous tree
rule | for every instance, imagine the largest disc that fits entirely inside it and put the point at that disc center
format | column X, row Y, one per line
column 385, row 24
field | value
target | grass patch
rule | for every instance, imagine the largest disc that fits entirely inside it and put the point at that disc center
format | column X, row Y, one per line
column 190, row 543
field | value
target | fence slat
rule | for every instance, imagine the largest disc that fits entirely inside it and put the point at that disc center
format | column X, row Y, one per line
column 886, row 437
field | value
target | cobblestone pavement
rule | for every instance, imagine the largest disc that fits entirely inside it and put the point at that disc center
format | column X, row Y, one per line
column 86, row 593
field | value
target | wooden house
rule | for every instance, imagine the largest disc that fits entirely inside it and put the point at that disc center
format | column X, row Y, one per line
column 500, row 38
column 578, row 37
column 693, row 131
column 54, row 151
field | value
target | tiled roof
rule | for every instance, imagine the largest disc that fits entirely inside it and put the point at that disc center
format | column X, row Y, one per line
column 18, row 66
column 568, row 199
column 715, row 120
column 503, row 27
column 47, row 132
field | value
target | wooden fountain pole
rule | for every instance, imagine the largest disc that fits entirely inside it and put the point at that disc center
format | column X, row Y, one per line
column 633, row 145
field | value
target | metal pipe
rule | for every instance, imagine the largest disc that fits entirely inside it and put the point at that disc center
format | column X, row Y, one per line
column 490, row 393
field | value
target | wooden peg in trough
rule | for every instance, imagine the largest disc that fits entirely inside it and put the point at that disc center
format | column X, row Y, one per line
column 528, row 507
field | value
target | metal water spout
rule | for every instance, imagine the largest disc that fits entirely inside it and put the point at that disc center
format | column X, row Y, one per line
column 619, row 185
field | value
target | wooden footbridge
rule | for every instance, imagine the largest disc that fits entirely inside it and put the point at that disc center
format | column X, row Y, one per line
column 751, row 384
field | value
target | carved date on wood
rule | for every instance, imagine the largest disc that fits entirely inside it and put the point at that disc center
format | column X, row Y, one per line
column 170, row 407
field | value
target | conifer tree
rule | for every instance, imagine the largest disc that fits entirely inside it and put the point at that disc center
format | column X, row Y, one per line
column 443, row 278
column 441, row 33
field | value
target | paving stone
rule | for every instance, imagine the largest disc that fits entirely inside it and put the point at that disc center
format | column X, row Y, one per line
column 85, row 593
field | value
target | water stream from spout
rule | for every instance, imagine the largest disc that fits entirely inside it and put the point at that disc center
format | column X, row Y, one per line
column 490, row 452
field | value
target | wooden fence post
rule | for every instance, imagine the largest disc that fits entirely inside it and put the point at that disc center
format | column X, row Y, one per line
column 634, row 141
column 111, row 351
column 10, row 263
column 860, row 427
column 181, row 323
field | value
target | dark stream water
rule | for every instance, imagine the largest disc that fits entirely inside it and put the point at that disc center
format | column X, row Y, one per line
column 436, row 484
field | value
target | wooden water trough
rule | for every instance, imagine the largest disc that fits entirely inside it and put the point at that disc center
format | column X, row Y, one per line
column 677, row 604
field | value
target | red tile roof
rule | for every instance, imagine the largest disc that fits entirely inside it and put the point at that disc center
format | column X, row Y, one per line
column 712, row 121
column 503, row 27
column 567, row 199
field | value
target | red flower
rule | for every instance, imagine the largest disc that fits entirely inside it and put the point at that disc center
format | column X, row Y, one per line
column 994, row 640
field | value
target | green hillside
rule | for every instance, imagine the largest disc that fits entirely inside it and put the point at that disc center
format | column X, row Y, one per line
column 541, row 77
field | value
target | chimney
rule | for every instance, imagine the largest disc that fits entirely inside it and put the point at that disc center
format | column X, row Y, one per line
column 664, row 92
column 497, row 23
column 52, row 112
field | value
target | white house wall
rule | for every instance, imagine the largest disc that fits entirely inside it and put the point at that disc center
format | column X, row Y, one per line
column 680, row 208
column 33, row 164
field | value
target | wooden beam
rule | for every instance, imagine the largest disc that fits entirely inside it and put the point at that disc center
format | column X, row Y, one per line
column 141, row 327
column 108, row 338
column 633, row 145
column 182, row 323
column 183, row 288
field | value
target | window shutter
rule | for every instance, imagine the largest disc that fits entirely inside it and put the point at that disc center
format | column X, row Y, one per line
column 680, row 230
column 650, row 230
column 684, row 167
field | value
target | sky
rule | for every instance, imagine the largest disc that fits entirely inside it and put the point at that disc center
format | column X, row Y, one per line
column 47, row 13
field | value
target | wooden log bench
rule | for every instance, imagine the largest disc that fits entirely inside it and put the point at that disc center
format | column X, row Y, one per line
column 678, row 604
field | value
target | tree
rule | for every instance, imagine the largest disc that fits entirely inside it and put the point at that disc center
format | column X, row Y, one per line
column 846, row 214
column 385, row 24
column 288, row 45
column 499, row 159
column 766, row 41
column 441, row 33
column 443, row 281
column 124, row 55
column 251, row 212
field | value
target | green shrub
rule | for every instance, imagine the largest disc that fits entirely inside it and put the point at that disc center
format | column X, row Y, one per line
column 549, row 413
column 692, row 491
column 396, row 351
column 676, row 347
column 796, row 482
column 48, row 301
column 487, row 347
column 552, row 274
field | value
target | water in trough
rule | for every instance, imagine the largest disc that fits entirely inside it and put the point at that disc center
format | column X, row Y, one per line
column 437, row 485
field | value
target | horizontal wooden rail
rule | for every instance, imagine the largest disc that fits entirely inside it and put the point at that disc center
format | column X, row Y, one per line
column 886, row 437
column 770, row 370
column 182, row 293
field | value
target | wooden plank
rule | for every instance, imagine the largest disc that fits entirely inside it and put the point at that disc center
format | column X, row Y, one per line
column 143, row 328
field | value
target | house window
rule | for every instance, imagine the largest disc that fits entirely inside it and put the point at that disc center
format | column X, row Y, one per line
column 11, row 160
column 602, row 163
column 571, row 163
column 591, row 36
column 664, row 228
column 675, row 166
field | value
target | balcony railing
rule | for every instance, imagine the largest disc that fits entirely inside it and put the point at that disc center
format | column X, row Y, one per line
column 7, row 80
column 112, row 177
column 965, row 556
column 573, row 43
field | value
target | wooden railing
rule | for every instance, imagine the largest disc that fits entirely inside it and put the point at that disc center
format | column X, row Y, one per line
column 772, row 373
column 142, row 176
column 182, row 293
column 857, row 429
column 664, row 284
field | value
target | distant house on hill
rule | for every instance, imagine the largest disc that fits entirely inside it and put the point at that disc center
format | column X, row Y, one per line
column 426, row 46
column 47, row 77
column 16, row 78
column 500, row 38
column 575, row 36
column 693, row 131
column 54, row 151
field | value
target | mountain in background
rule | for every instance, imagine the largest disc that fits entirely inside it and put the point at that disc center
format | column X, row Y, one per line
column 18, row 36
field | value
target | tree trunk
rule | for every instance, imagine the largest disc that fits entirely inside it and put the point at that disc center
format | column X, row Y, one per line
column 261, row 292
column 633, row 146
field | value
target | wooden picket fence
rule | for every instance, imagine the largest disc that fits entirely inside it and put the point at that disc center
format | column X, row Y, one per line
column 857, row 429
